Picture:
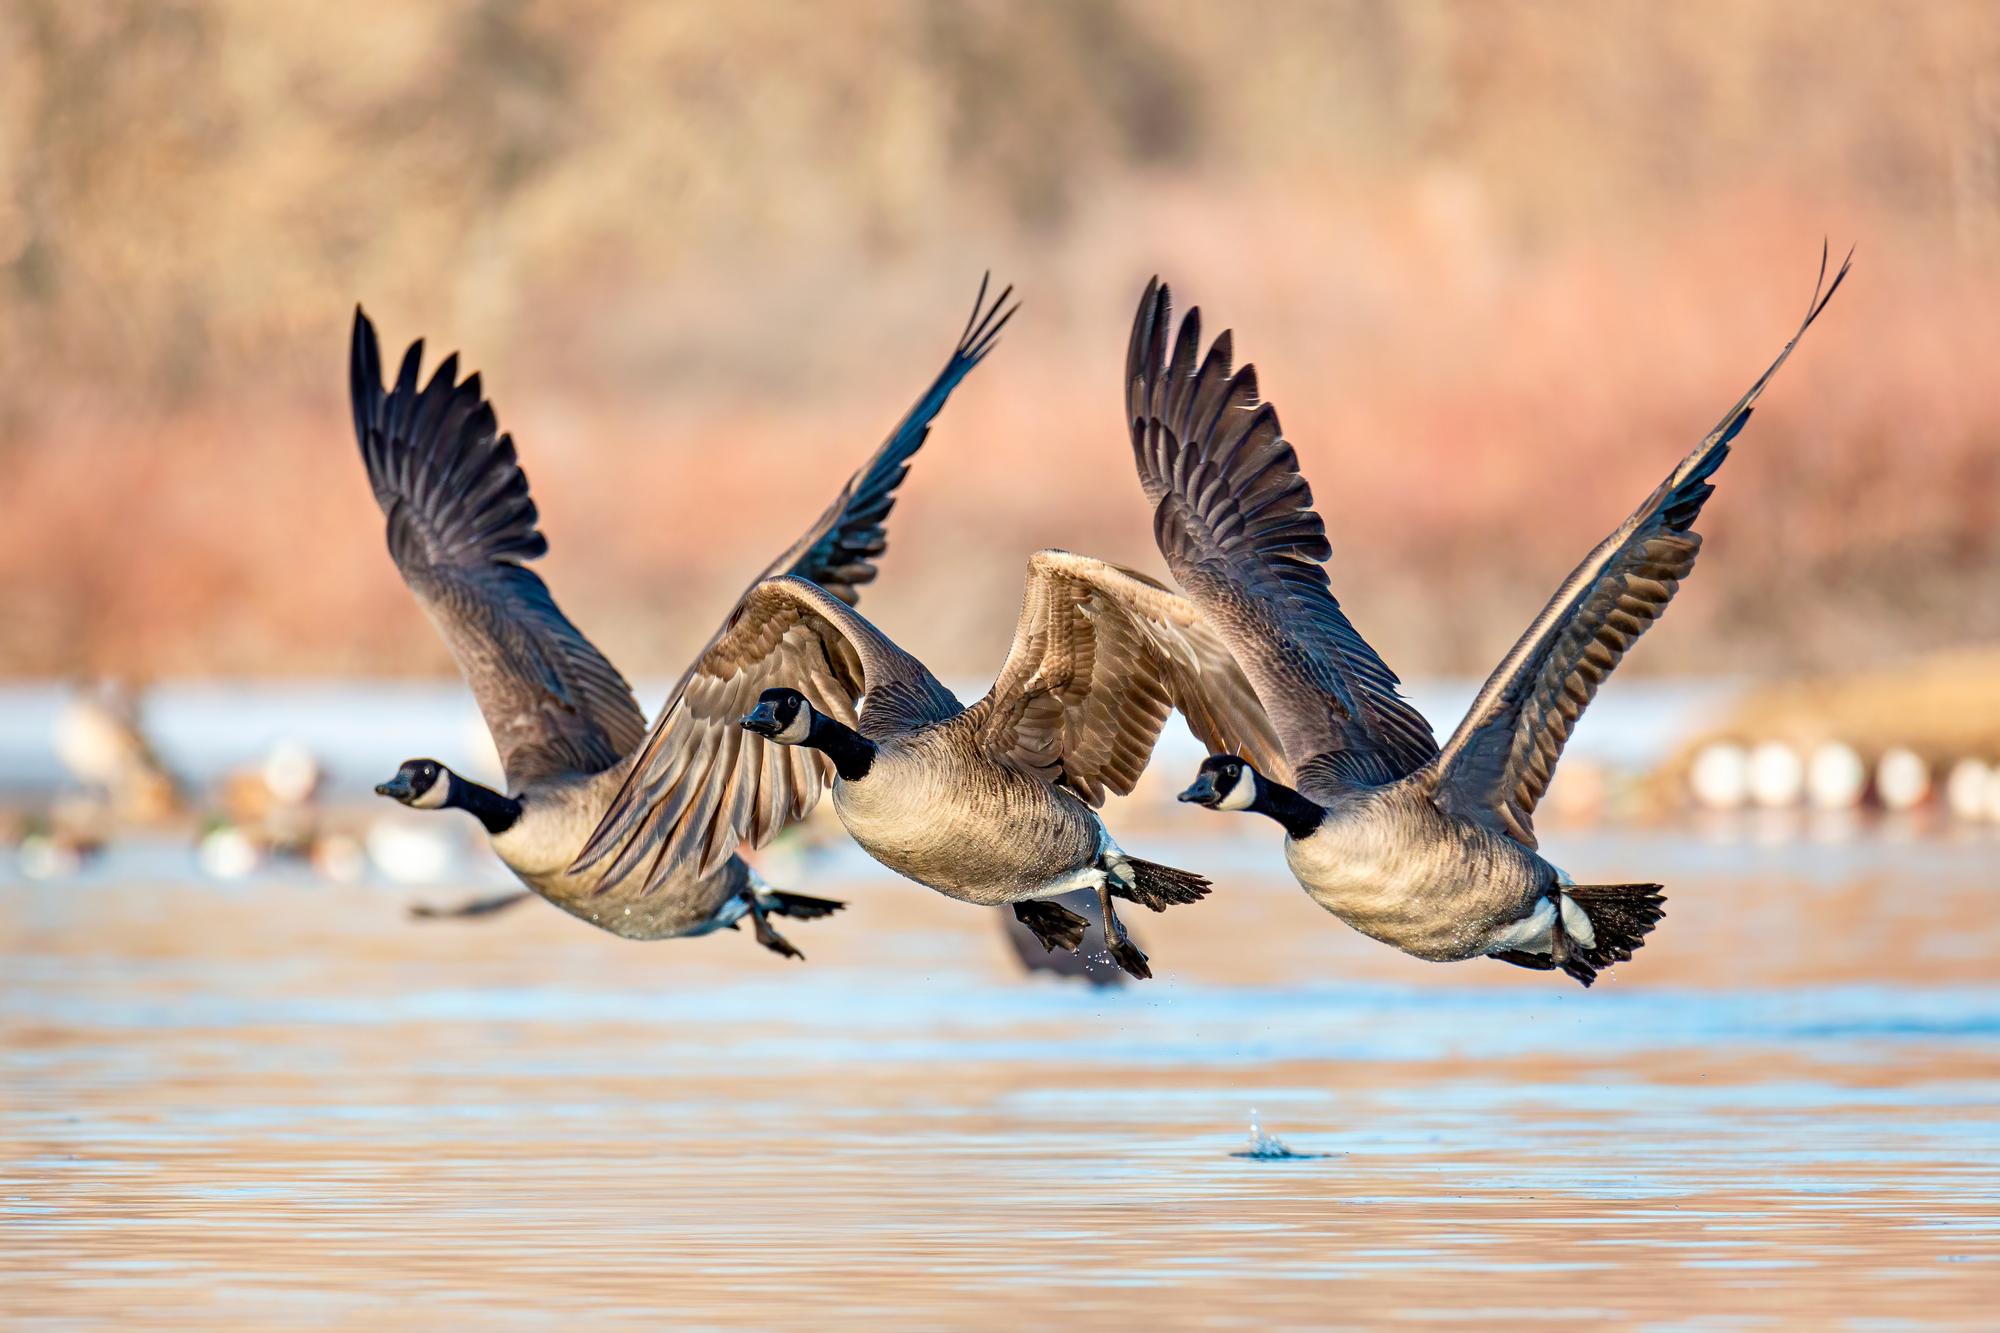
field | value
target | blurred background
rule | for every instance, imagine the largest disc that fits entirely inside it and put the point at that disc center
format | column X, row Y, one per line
column 1500, row 264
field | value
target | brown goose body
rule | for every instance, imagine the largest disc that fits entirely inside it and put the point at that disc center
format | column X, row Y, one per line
column 935, row 807
column 557, row 816
column 1394, row 867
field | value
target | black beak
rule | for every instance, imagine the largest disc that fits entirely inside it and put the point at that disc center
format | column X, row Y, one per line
column 763, row 719
column 1201, row 791
column 396, row 788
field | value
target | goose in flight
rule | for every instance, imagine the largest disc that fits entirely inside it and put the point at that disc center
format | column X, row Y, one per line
column 462, row 528
column 1431, row 851
column 993, row 804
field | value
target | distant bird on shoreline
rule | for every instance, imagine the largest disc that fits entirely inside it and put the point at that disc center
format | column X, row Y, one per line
column 100, row 738
column 1431, row 851
column 461, row 529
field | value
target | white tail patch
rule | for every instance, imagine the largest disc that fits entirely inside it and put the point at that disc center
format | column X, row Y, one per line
column 1577, row 922
column 1528, row 935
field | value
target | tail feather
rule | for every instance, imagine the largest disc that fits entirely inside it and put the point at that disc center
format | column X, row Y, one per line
column 1160, row 887
column 804, row 907
column 1621, row 916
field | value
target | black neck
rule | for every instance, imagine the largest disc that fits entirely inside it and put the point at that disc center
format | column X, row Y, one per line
column 489, row 807
column 1300, row 816
column 852, row 753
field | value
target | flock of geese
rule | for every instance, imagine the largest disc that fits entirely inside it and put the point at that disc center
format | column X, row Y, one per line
column 1428, row 849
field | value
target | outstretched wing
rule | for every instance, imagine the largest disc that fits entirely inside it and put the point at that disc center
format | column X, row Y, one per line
column 683, row 794
column 702, row 784
column 1101, row 656
column 1235, row 521
column 838, row 552
column 1499, row 761
column 461, row 524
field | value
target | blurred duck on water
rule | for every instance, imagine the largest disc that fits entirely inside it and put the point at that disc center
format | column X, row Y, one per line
column 461, row 527
column 100, row 738
column 1431, row 851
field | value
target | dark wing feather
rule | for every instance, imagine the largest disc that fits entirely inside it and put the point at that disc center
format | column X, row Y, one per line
column 838, row 552
column 1499, row 761
column 1234, row 518
column 700, row 774
column 461, row 523
column 1101, row 656
column 702, row 784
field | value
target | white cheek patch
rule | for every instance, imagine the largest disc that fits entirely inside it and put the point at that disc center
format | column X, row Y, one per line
column 433, row 797
column 1241, row 795
column 797, row 729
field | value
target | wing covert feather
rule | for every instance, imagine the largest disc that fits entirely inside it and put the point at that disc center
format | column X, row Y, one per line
column 1101, row 657
column 701, row 785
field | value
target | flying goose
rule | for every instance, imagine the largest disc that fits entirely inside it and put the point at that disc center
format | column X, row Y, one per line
column 461, row 528
column 992, row 804
column 1430, row 851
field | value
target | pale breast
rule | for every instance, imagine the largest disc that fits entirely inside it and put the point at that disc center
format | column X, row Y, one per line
column 556, row 819
column 1401, row 872
column 965, row 826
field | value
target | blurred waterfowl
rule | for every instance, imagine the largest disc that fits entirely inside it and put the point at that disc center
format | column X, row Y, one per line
column 273, row 802
column 1431, row 851
column 100, row 738
column 1777, row 775
column 1965, row 789
column 228, row 851
column 1719, row 777
column 1906, row 722
column 461, row 527
column 1902, row 779
column 1836, row 777
column 991, row 804
column 64, row 840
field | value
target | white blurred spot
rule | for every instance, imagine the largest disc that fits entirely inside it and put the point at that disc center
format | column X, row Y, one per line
column 227, row 853
column 291, row 773
column 1720, row 777
column 1965, row 789
column 1835, row 777
column 1902, row 779
column 1777, row 775
column 409, row 854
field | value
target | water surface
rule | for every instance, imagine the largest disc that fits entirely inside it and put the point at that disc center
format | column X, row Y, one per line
column 282, row 1101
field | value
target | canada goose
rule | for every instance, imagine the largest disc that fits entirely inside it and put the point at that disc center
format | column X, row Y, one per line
column 991, row 804
column 100, row 737
column 1431, row 851
column 461, row 528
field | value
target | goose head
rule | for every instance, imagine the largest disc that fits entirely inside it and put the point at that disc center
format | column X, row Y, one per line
column 1225, row 782
column 782, row 715
column 421, row 784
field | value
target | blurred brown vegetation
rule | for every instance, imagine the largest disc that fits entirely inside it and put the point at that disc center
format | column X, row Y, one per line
column 1499, row 263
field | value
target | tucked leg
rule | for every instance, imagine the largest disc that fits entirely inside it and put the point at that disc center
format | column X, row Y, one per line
column 767, row 937
column 1123, row 952
column 1053, row 924
column 474, row 907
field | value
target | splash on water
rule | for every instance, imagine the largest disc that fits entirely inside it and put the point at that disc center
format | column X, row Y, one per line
column 1264, row 1147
